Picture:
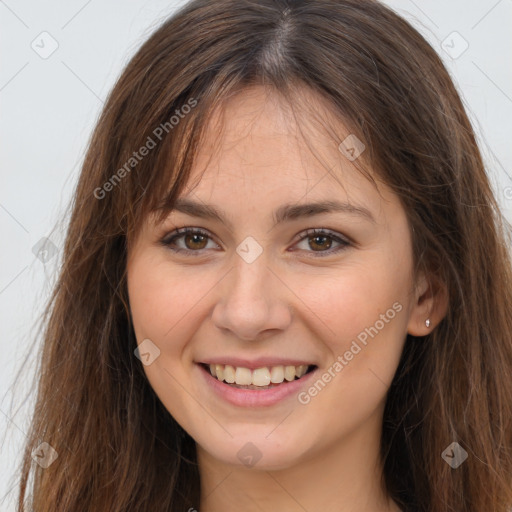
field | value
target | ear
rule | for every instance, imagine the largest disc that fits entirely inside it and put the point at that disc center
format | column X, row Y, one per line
column 430, row 302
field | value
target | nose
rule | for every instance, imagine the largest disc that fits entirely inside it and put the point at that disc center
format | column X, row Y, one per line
column 252, row 300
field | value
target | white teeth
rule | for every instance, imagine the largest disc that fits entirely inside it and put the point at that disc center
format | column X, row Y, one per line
column 258, row 377
column 289, row 373
column 261, row 377
column 229, row 374
column 301, row 370
column 243, row 376
column 277, row 374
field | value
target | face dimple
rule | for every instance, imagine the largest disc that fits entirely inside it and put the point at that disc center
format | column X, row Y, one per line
column 255, row 299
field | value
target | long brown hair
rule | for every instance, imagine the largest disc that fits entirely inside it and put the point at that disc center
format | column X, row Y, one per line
column 119, row 449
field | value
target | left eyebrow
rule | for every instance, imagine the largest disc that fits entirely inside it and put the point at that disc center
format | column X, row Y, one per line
column 285, row 213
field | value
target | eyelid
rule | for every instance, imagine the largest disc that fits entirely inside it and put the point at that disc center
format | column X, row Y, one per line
column 322, row 231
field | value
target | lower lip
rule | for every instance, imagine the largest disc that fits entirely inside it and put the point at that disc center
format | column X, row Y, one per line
column 255, row 397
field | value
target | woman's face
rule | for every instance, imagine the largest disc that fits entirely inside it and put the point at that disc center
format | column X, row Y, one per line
column 258, row 291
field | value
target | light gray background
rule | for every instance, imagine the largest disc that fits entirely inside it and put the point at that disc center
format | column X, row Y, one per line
column 49, row 107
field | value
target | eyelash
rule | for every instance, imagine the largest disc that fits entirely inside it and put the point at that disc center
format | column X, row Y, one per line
column 169, row 239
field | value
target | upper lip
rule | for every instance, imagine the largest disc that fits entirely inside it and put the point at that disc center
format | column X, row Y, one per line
column 260, row 362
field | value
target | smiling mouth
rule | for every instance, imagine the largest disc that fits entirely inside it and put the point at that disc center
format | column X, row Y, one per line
column 259, row 378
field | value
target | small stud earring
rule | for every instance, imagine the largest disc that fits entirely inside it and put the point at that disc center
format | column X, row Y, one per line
column 427, row 322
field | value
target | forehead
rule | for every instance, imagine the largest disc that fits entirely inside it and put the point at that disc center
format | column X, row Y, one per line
column 259, row 150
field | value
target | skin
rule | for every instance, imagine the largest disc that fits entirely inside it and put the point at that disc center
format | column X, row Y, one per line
column 319, row 456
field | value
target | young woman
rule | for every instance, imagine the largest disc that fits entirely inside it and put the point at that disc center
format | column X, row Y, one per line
column 285, row 284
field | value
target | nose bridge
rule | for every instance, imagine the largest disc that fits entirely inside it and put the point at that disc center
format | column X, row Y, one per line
column 251, row 279
column 249, row 301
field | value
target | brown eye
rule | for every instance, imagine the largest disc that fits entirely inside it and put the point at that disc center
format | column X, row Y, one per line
column 195, row 241
column 187, row 240
column 320, row 241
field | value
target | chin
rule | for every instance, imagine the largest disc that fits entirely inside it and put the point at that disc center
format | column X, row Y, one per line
column 256, row 451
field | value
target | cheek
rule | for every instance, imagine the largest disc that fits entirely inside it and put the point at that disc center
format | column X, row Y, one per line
column 165, row 300
column 362, row 309
column 354, row 298
column 164, row 303
column 363, row 313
